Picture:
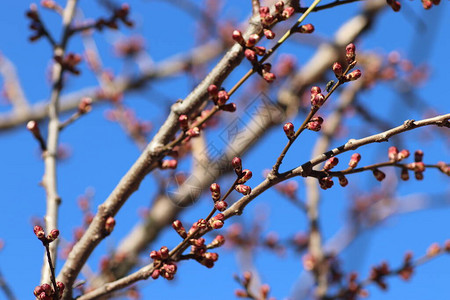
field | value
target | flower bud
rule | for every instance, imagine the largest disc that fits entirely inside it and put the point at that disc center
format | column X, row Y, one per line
column 250, row 55
column 427, row 4
column 404, row 174
column 326, row 182
column 213, row 91
column 178, row 226
column 169, row 164
column 38, row 290
column 53, row 235
column 156, row 255
column 39, row 232
column 85, row 105
column 418, row 175
column 354, row 160
column 270, row 35
column 245, row 176
column 318, row 100
column 164, row 251
column 416, row 166
column 379, row 175
column 269, row 77
column 403, row 154
column 279, row 6
column 109, row 224
column 230, row 107
column 222, row 97
column 337, row 69
column 353, row 75
column 193, row 132
column 220, row 205
column 395, row 5
column 289, row 130
column 183, row 120
column 215, row 188
column 243, row 189
column 61, row 286
column 237, row 37
column 265, row 289
column 33, row 127
column 263, row 11
column 343, row 181
column 331, row 163
column 287, row 12
column 315, row 90
column 350, row 53
column 444, row 168
column 216, row 224
column 433, row 250
column 217, row 242
column 260, row 51
column 252, row 40
column 155, row 274
column 47, row 289
column 315, row 124
column 237, row 165
column 393, row 154
column 418, row 156
column 307, row 28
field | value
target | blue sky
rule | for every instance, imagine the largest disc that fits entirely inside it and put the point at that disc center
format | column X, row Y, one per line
column 101, row 153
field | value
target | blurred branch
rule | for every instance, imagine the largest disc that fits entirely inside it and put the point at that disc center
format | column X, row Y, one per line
column 49, row 180
column 6, row 288
column 12, row 86
column 347, row 98
column 167, row 68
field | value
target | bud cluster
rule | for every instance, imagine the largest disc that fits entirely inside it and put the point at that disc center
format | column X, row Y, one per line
column 36, row 24
column 220, row 98
column 69, row 62
column 220, row 205
column 317, row 98
column 40, row 234
column 119, row 14
column 315, row 124
column 264, row 289
column 268, row 19
column 199, row 251
column 326, row 182
column 427, row 4
column 46, row 292
column 378, row 273
column 164, row 266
